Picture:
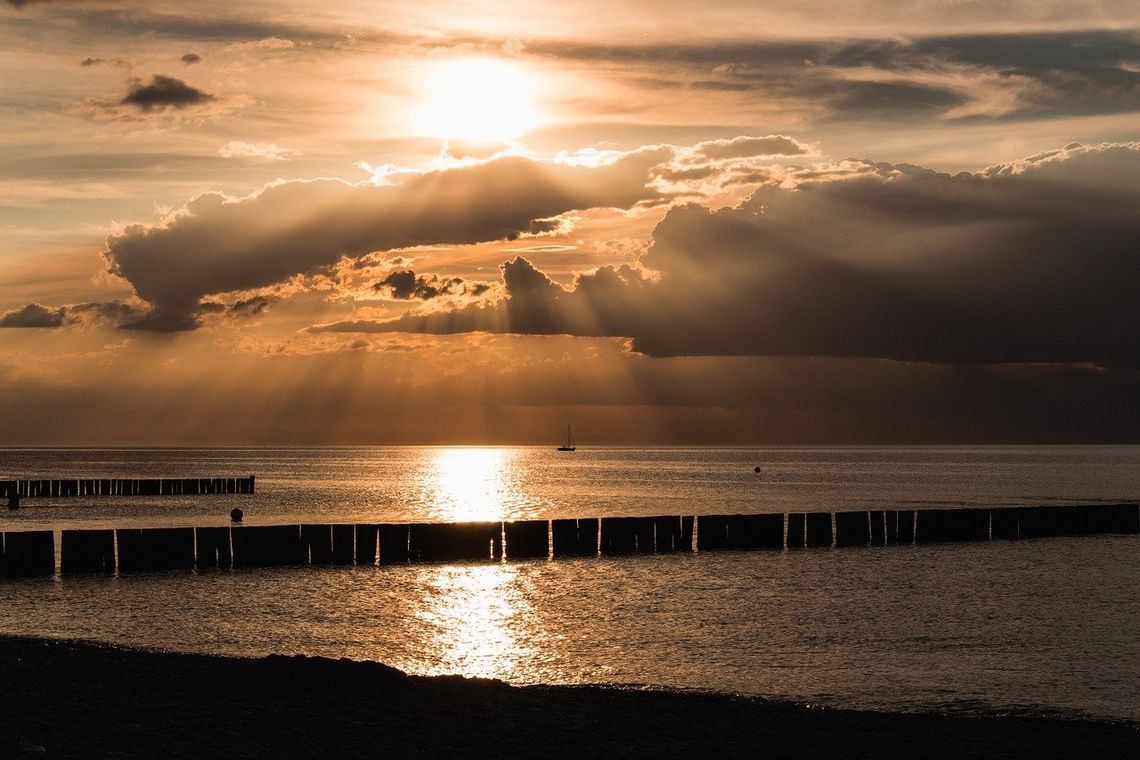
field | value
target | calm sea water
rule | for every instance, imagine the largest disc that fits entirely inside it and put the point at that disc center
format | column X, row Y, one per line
column 1048, row 626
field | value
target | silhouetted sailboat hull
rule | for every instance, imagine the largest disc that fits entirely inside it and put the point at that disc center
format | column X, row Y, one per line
column 569, row 445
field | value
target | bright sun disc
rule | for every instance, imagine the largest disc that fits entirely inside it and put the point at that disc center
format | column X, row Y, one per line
column 476, row 99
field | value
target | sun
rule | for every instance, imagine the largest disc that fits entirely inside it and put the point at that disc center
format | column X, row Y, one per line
column 476, row 99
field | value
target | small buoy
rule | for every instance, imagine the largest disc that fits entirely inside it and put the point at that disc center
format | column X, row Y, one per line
column 236, row 515
column 756, row 469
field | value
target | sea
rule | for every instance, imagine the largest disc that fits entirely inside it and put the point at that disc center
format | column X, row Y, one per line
column 1036, row 627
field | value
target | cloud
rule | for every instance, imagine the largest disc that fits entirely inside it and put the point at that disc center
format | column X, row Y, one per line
column 36, row 315
column 268, row 43
column 220, row 245
column 252, row 306
column 748, row 147
column 163, row 92
column 405, row 285
column 191, row 58
column 33, row 315
column 1015, row 75
column 262, row 150
column 1030, row 262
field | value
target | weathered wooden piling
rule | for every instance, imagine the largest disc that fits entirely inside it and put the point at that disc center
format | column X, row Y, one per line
column 670, row 534
column 818, row 529
column 756, row 531
column 343, row 544
column 936, row 526
column 267, row 545
column 394, row 544
column 132, row 550
column 904, row 526
column 318, row 543
column 891, row 526
column 28, row 553
column 688, row 533
column 447, row 542
column 1124, row 518
column 69, row 487
column 527, row 539
column 627, row 535
column 367, row 543
column 878, row 527
column 574, row 537
column 852, row 529
column 212, row 548
column 1004, row 524
column 795, row 530
column 712, row 532
column 87, row 551
column 152, row 549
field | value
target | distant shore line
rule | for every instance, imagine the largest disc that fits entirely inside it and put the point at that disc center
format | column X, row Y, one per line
column 70, row 697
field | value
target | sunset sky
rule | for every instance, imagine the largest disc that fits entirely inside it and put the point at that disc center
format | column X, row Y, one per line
column 665, row 222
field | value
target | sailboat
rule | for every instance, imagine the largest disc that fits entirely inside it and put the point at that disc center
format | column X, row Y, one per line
column 569, row 441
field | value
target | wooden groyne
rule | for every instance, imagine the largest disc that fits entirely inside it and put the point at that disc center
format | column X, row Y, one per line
column 67, row 487
column 211, row 548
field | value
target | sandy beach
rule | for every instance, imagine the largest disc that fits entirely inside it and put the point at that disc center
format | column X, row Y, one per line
column 66, row 698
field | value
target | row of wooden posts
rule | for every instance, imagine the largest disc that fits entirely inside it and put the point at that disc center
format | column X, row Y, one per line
column 149, row 549
column 63, row 487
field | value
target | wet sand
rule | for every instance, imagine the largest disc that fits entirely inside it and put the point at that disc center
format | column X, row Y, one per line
column 60, row 698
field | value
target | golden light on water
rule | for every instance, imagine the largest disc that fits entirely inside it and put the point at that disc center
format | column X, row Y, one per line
column 477, row 99
column 469, row 484
column 479, row 619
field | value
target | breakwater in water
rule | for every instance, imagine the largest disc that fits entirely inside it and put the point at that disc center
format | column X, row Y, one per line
column 27, row 553
column 64, row 487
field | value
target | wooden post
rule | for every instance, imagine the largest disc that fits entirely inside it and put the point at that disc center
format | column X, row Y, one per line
column 87, row 551
column 575, row 537
column 366, row 544
column 29, row 553
column 343, row 544
column 818, row 529
column 796, row 536
column 712, row 532
column 527, row 539
column 446, row 542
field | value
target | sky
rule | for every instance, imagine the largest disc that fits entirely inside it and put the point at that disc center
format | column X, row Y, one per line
column 666, row 223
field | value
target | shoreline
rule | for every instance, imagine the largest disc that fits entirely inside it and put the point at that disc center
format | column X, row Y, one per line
column 74, row 698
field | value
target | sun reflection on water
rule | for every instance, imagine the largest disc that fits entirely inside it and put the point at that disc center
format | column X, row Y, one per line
column 478, row 620
column 467, row 484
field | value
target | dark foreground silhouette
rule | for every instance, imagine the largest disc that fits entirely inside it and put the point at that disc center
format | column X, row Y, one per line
column 79, row 699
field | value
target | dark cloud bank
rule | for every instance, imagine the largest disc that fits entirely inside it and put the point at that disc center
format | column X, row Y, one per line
column 1030, row 262
column 1049, row 74
column 219, row 246
column 36, row 315
column 1034, row 262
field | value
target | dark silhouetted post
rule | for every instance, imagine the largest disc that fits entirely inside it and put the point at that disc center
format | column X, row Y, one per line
column 527, row 539
column 712, row 532
column 795, row 522
column 87, row 551
column 343, row 544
